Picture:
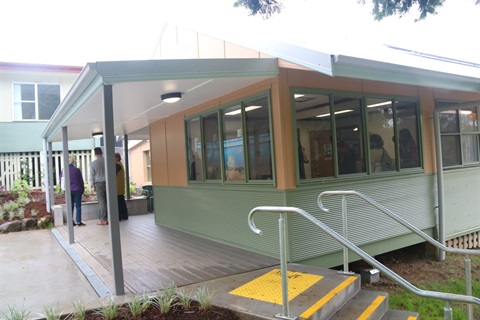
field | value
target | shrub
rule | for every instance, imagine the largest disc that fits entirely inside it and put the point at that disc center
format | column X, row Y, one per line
column 15, row 314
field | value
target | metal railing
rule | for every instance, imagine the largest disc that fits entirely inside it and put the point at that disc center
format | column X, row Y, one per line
column 466, row 252
column 448, row 297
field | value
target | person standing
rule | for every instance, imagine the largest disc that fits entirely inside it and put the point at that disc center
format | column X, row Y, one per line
column 122, row 205
column 97, row 181
column 77, row 187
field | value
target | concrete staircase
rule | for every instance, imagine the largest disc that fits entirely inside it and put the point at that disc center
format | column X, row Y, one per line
column 314, row 293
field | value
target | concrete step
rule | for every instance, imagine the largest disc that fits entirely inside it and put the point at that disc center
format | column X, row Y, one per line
column 314, row 294
column 364, row 305
column 400, row 315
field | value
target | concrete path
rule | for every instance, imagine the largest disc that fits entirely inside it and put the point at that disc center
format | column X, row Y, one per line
column 36, row 271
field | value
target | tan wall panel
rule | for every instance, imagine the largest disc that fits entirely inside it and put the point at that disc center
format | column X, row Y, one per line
column 209, row 47
column 311, row 79
column 283, row 133
column 377, row 87
column 187, row 42
column 158, row 148
column 235, row 51
column 441, row 94
column 176, row 156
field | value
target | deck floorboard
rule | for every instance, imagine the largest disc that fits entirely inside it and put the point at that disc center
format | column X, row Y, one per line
column 154, row 256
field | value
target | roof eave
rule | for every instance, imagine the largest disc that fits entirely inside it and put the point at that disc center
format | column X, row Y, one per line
column 346, row 66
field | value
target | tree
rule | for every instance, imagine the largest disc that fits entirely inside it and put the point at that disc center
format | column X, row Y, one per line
column 381, row 8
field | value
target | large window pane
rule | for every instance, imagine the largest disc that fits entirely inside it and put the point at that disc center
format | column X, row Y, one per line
column 194, row 150
column 48, row 100
column 470, row 148
column 233, row 144
column 258, row 140
column 469, row 120
column 350, row 148
column 212, row 147
column 449, row 121
column 451, row 151
column 314, row 136
column 380, row 126
column 407, row 125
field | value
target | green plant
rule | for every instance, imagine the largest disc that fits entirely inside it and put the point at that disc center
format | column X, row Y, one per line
column 79, row 312
column 15, row 314
column 19, row 213
column 9, row 209
column 204, row 297
column 138, row 304
column 184, row 298
column 162, row 302
column 25, row 171
column 22, row 201
column 21, row 187
column 51, row 312
column 133, row 188
column 34, row 213
column 109, row 309
column 57, row 189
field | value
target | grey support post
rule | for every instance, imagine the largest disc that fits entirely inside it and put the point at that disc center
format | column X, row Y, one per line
column 111, row 181
column 68, row 195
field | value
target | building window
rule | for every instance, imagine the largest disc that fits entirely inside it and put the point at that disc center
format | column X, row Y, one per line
column 459, row 136
column 148, row 165
column 335, row 131
column 35, row 101
column 232, row 144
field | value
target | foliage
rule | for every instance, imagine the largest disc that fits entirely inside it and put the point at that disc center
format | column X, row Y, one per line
column 165, row 298
column 431, row 309
column 25, row 171
column 8, row 209
column 57, row 189
column 184, row 298
column 133, row 188
column 204, row 297
column 21, row 187
column 51, row 312
column 381, row 8
column 79, row 311
column 138, row 304
column 263, row 7
column 15, row 314
column 109, row 309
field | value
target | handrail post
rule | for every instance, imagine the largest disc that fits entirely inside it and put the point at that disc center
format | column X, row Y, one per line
column 447, row 311
column 282, row 234
column 468, row 285
column 345, row 233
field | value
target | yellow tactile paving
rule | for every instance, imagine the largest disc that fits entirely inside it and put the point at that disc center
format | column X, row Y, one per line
column 412, row 318
column 371, row 308
column 269, row 286
column 320, row 303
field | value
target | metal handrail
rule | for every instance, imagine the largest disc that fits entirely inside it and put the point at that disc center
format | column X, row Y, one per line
column 441, row 246
column 448, row 297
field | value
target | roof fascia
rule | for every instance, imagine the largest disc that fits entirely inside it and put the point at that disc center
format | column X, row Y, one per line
column 346, row 66
column 149, row 70
column 87, row 83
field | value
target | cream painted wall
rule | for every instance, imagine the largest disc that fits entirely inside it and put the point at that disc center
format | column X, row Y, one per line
column 138, row 164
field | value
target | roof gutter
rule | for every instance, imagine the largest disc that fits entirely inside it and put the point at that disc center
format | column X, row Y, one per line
column 86, row 84
column 346, row 66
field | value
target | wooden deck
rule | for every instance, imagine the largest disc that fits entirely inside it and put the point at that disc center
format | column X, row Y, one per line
column 154, row 256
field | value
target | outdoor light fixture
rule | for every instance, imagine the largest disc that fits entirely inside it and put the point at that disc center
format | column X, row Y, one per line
column 171, row 97
column 97, row 134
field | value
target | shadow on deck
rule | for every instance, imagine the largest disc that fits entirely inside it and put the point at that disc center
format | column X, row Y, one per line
column 154, row 256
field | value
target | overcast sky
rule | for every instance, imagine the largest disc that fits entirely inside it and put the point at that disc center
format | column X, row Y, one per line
column 76, row 32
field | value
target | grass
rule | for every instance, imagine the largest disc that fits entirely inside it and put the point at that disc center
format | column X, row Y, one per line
column 433, row 309
column 16, row 314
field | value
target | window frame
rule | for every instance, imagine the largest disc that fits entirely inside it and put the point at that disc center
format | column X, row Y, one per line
column 457, row 106
column 220, row 112
column 365, row 134
column 36, row 101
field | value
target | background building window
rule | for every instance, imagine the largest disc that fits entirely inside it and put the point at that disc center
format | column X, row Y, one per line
column 35, row 101
column 148, row 166
column 459, row 136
